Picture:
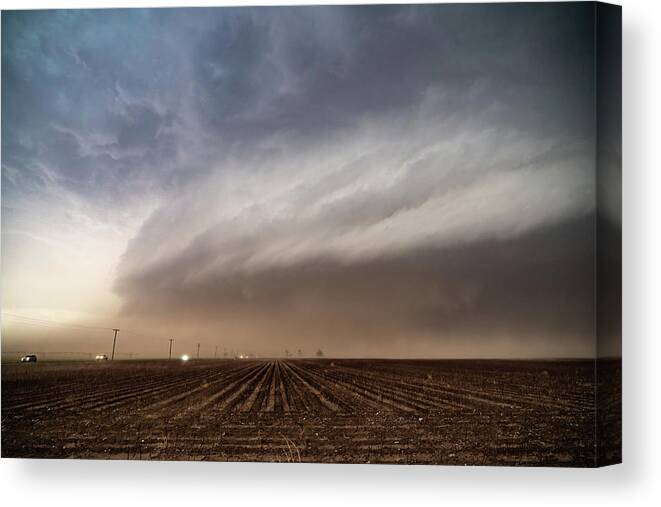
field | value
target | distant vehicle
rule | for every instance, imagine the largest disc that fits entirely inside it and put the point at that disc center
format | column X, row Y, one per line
column 101, row 357
column 29, row 358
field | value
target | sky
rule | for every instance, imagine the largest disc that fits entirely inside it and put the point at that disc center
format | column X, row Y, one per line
column 382, row 181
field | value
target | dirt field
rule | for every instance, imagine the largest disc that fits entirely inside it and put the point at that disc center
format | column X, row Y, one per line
column 350, row 411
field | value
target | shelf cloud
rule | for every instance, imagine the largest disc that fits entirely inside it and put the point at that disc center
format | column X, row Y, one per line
column 371, row 180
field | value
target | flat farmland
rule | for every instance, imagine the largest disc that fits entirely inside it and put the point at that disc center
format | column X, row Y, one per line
column 333, row 411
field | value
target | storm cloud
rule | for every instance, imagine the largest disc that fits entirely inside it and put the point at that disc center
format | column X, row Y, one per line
column 371, row 180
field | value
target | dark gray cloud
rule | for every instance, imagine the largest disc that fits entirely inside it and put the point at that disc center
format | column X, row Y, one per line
column 377, row 179
column 120, row 78
column 305, row 71
column 528, row 296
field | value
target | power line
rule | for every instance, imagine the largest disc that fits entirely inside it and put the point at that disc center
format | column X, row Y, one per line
column 54, row 326
column 142, row 335
column 47, row 322
column 47, row 326
column 35, row 321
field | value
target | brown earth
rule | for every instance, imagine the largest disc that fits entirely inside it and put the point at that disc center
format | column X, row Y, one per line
column 332, row 411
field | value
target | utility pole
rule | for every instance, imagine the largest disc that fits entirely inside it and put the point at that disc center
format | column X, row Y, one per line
column 114, row 340
column 171, row 340
column 215, row 352
column 198, row 350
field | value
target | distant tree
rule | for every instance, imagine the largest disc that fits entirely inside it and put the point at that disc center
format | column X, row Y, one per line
column 320, row 353
column 286, row 352
column 300, row 352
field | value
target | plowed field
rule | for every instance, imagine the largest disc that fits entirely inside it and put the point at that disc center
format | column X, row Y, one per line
column 351, row 411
